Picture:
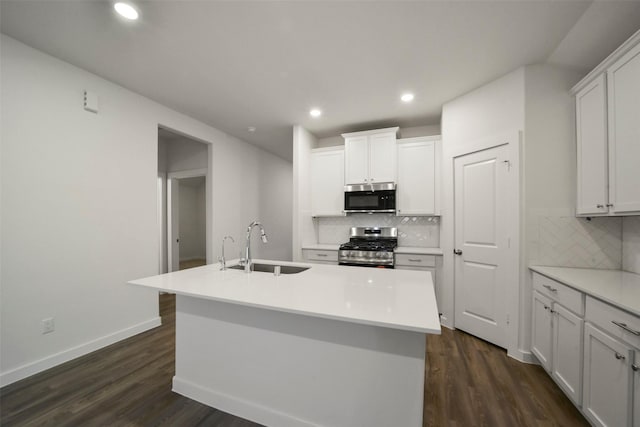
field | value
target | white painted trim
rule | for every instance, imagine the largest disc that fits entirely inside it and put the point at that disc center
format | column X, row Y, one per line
column 192, row 173
column 370, row 132
column 236, row 406
column 419, row 139
column 523, row 356
column 328, row 149
column 56, row 359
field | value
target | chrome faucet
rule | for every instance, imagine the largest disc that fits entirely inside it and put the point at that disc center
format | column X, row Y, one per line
column 223, row 265
column 247, row 250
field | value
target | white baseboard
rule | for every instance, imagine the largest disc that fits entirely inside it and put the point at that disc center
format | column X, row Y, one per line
column 56, row 359
column 239, row 407
column 523, row 356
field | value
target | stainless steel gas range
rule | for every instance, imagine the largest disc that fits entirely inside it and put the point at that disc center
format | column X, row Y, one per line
column 369, row 247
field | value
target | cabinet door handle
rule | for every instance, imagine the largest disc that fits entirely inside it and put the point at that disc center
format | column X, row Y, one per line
column 635, row 367
column 625, row 327
column 619, row 356
column 546, row 307
column 552, row 289
column 415, row 260
column 457, row 252
column 609, row 205
column 552, row 311
column 599, row 206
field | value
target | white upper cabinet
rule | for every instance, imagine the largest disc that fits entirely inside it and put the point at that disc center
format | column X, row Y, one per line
column 370, row 156
column 418, row 176
column 623, row 86
column 608, row 135
column 591, row 134
column 327, row 182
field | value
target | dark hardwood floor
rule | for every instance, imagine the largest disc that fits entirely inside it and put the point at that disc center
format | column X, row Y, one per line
column 469, row 383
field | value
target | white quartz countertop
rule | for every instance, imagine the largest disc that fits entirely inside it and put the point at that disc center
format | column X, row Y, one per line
column 397, row 299
column 322, row 247
column 616, row 287
column 418, row 251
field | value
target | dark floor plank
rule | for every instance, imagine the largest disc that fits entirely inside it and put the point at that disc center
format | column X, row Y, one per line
column 468, row 383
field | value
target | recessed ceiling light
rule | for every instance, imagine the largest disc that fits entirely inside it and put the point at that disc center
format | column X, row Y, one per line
column 251, row 128
column 407, row 97
column 315, row 112
column 126, row 10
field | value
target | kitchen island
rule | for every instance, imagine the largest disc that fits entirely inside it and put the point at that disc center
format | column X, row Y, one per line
column 331, row 345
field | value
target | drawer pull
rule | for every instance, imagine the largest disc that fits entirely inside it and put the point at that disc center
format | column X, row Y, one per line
column 625, row 327
column 321, row 254
column 552, row 289
column 415, row 260
column 619, row 356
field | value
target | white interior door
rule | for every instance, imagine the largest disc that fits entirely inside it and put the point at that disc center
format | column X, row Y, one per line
column 481, row 243
column 173, row 222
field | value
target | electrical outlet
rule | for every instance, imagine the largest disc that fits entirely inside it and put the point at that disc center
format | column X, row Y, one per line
column 48, row 325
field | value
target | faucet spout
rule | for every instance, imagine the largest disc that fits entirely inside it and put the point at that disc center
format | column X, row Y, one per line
column 247, row 251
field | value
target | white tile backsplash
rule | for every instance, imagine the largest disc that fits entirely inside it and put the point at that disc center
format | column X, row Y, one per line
column 631, row 244
column 416, row 231
column 578, row 242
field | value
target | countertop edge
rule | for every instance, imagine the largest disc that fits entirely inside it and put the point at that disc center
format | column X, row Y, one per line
column 394, row 326
column 541, row 269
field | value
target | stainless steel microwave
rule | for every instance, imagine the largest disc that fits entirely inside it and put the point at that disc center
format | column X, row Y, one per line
column 370, row 198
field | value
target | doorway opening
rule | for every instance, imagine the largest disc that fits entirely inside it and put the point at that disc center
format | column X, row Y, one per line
column 183, row 165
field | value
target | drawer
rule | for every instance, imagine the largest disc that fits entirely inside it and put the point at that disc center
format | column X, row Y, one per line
column 603, row 315
column 563, row 294
column 320, row 255
column 411, row 260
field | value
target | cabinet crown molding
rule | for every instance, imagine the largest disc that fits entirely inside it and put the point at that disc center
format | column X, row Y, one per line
column 371, row 132
column 601, row 68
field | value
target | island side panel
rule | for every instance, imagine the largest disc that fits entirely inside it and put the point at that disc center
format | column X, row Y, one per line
column 283, row 369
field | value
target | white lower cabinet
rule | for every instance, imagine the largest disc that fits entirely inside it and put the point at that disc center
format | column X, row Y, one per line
column 320, row 256
column 607, row 379
column 636, row 389
column 420, row 262
column 567, row 349
column 557, row 343
column 541, row 345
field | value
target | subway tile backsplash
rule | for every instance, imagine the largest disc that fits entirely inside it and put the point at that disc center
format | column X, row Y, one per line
column 415, row 231
column 631, row 244
column 578, row 242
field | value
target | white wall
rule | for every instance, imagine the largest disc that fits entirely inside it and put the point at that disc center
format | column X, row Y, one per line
column 535, row 101
column 303, row 227
column 79, row 207
column 469, row 123
column 184, row 154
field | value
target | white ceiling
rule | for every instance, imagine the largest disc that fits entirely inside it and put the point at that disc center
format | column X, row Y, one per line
column 265, row 64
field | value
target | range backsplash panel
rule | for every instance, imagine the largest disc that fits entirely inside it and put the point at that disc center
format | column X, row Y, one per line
column 417, row 231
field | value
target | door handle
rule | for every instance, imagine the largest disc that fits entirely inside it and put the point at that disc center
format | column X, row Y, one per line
column 457, row 252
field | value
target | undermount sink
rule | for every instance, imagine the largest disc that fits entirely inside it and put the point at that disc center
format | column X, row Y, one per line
column 269, row 268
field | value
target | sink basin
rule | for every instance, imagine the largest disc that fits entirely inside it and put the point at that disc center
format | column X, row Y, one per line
column 268, row 268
